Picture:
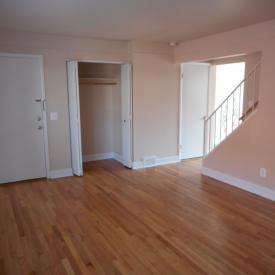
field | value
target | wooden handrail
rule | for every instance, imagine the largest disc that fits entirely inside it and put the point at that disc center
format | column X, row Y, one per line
column 249, row 110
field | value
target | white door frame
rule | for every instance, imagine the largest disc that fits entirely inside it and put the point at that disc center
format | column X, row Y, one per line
column 180, row 114
column 131, row 90
column 44, row 102
column 180, row 105
column 127, row 115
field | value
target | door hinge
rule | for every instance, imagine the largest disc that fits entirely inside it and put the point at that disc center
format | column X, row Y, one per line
column 44, row 104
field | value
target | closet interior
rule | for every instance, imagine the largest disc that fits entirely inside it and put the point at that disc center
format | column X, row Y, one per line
column 100, row 99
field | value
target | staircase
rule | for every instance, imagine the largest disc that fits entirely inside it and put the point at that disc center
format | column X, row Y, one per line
column 240, row 104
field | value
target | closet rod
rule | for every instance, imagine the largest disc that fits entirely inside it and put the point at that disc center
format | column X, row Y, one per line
column 98, row 81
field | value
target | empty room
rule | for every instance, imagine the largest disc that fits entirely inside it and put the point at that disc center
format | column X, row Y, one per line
column 137, row 137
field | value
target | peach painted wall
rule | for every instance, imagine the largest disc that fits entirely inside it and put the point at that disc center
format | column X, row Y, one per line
column 56, row 50
column 156, row 88
column 252, row 146
column 156, row 101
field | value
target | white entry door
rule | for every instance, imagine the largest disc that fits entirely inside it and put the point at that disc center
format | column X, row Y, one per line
column 195, row 81
column 22, row 148
column 126, row 103
column 74, row 111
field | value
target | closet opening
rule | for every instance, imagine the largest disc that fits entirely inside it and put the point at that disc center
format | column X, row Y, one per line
column 100, row 107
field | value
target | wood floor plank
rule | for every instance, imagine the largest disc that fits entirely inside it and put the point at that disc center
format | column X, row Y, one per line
column 162, row 220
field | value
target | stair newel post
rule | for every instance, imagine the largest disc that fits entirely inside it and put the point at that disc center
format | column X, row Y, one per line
column 254, row 89
column 215, row 126
column 204, row 135
column 221, row 114
column 233, row 111
column 240, row 105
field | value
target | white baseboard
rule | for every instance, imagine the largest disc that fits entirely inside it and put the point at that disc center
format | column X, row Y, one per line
column 137, row 165
column 159, row 161
column 167, row 160
column 117, row 157
column 101, row 156
column 54, row 174
column 240, row 183
column 92, row 157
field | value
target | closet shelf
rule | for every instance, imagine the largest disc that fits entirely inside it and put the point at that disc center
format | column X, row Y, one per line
column 98, row 81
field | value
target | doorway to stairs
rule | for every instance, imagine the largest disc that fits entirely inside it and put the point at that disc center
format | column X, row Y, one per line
column 226, row 77
column 209, row 108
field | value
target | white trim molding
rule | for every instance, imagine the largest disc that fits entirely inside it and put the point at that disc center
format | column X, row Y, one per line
column 159, row 161
column 55, row 174
column 101, row 156
column 138, row 165
column 240, row 183
column 117, row 157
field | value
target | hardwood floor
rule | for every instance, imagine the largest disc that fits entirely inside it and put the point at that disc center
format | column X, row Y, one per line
column 163, row 220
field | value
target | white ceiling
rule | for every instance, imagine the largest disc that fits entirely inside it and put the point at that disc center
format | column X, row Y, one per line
column 159, row 20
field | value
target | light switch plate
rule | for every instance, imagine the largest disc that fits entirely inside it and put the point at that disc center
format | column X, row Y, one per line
column 53, row 116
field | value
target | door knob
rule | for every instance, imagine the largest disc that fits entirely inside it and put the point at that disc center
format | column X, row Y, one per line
column 39, row 118
column 40, row 127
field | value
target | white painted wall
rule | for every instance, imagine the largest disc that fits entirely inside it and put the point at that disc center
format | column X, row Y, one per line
column 155, row 89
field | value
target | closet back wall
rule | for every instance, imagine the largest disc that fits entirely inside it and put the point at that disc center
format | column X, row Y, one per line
column 100, row 107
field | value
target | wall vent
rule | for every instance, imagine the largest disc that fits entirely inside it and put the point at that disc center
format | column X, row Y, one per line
column 149, row 161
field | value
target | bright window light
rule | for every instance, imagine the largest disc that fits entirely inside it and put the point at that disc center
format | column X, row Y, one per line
column 228, row 76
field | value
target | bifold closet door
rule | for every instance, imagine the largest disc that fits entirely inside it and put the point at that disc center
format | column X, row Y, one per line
column 126, row 102
column 74, row 113
column 22, row 148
